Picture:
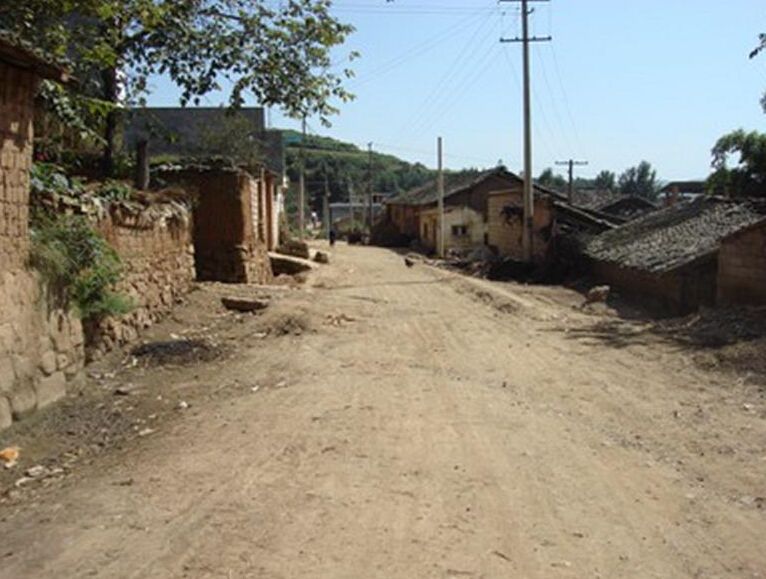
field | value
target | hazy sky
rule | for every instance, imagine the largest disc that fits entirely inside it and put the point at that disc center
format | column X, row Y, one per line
column 623, row 80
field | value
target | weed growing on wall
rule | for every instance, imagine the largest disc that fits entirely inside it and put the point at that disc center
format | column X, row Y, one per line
column 79, row 267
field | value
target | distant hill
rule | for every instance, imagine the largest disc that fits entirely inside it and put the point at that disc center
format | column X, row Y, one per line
column 344, row 167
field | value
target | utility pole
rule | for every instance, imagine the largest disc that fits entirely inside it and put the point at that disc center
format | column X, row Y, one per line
column 440, row 188
column 302, row 185
column 571, row 163
column 326, row 205
column 529, row 200
column 369, row 184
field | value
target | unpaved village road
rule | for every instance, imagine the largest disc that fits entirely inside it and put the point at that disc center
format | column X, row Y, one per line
column 432, row 428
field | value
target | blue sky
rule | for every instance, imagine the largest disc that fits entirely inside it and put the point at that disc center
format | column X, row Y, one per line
column 622, row 81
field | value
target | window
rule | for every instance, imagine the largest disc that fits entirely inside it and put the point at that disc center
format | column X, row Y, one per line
column 459, row 230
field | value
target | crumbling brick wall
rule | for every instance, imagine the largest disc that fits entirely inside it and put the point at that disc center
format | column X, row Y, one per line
column 742, row 267
column 41, row 346
column 158, row 270
column 230, row 217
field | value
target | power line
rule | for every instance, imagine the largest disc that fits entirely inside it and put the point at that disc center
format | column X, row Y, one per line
column 413, row 52
column 436, row 93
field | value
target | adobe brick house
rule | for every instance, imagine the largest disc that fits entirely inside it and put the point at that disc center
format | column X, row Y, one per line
column 742, row 266
column 670, row 258
column 412, row 212
column 40, row 346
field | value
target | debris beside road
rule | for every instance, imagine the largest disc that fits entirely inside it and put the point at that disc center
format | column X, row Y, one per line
column 244, row 304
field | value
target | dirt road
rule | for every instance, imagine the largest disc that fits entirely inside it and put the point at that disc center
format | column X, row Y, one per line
column 424, row 426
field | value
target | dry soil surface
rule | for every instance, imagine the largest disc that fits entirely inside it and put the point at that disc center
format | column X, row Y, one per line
column 386, row 421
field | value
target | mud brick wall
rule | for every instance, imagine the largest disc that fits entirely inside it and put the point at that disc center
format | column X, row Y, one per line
column 158, row 270
column 229, row 225
column 506, row 234
column 742, row 267
column 41, row 346
column 17, row 92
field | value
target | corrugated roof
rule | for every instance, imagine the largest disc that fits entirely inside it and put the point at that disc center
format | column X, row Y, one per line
column 669, row 238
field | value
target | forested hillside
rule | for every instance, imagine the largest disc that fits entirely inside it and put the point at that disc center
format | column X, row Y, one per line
column 342, row 168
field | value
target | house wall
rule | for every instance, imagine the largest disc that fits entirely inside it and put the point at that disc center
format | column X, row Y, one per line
column 506, row 234
column 742, row 267
column 453, row 216
column 674, row 293
column 406, row 218
column 477, row 197
column 41, row 346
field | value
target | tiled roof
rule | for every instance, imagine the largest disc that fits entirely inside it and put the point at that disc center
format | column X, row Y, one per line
column 675, row 236
column 454, row 183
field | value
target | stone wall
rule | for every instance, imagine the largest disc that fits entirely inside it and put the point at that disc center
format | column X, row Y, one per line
column 41, row 346
column 155, row 247
column 742, row 267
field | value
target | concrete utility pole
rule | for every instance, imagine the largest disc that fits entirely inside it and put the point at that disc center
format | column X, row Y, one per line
column 369, row 185
column 440, row 189
column 302, row 185
column 529, row 200
column 571, row 163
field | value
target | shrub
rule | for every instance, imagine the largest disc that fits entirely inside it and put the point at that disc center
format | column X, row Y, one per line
column 79, row 266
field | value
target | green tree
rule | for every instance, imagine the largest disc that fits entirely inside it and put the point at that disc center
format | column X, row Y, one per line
column 748, row 177
column 605, row 180
column 640, row 180
column 755, row 52
column 277, row 52
column 551, row 180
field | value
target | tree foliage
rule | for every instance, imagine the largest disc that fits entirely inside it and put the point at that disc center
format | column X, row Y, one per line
column 605, row 180
column 343, row 170
column 748, row 176
column 755, row 52
column 280, row 53
column 551, row 180
column 640, row 181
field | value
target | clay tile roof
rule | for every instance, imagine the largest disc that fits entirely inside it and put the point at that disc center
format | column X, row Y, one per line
column 454, row 183
column 670, row 238
column 19, row 54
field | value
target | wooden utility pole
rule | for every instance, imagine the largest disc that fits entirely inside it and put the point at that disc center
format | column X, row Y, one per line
column 571, row 164
column 529, row 200
column 326, row 205
column 142, row 165
column 369, row 186
column 440, row 188
column 302, row 186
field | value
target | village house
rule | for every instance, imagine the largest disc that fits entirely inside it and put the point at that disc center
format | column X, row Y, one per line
column 179, row 135
column 673, row 258
column 612, row 204
column 413, row 213
column 41, row 347
column 681, row 191
column 742, row 266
